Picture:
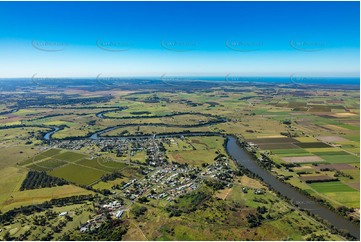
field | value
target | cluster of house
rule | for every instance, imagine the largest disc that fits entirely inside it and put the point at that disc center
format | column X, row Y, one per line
column 172, row 180
column 93, row 144
column 256, row 191
column 220, row 169
column 123, row 147
column 114, row 208
column 162, row 180
column 93, row 223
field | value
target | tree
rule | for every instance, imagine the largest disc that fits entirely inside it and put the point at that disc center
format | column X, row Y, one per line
column 7, row 236
column 143, row 200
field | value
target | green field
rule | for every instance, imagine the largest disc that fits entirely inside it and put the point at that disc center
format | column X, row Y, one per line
column 282, row 120
column 338, row 193
column 33, row 159
column 51, row 152
column 78, row 174
column 102, row 164
column 348, row 159
column 335, row 186
column 195, row 158
column 69, row 156
column 291, row 152
column 207, row 142
column 331, row 153
column 47, row 165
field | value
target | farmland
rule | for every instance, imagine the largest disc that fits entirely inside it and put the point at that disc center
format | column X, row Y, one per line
column 316, row 141
column 73, row 167
column 161, row 156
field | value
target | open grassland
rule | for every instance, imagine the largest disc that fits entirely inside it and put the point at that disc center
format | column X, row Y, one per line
column 178, row 145
column 70, row 132
column 194, row 158
column 184, row 120
column 195, row 150
column 109, row 184
column 10, row 156
column 208, row 143
column 38, row 231
column 153, row 129
column 36, row 196
column 219, row 219
column 33, row 159
column 286, row 123
column 10, row 182
column 139, row 156
column 20, row 135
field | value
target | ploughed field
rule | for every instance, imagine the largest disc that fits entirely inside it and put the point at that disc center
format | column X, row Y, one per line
column 310, row 163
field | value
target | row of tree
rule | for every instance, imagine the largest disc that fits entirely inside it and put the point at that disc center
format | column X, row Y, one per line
column 8, row 217
column 36, row 179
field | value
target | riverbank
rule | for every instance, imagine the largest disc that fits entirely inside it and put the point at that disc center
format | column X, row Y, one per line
column 286, row 190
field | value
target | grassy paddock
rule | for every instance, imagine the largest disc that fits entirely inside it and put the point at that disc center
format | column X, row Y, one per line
column 36, row 196
column 78, row 174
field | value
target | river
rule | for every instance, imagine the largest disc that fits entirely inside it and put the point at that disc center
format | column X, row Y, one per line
column 48, row 135
column 244, row 159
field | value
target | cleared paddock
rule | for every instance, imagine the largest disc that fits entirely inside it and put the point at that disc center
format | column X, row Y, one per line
column 302, row 159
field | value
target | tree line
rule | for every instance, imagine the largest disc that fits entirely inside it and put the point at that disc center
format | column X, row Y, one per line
column 36, row 179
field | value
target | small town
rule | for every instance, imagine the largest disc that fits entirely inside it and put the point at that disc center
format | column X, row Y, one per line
column 163, row 180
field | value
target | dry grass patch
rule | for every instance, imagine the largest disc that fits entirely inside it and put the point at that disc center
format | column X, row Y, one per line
column 312, row 178
column 248, row 182
column 302, row 159
column 331, row 139
column 37, row 196
column 355, row 185
column 222, row 194
column 334, row 127
column 342, row 115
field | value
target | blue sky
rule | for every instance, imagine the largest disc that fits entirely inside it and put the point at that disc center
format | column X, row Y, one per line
column 83, row 39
